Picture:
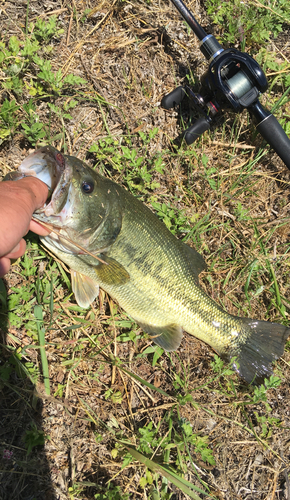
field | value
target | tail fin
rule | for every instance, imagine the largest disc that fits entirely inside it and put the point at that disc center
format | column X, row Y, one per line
column 264, row 342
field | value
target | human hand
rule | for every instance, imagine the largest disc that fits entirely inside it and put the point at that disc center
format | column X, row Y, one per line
column 18, row 200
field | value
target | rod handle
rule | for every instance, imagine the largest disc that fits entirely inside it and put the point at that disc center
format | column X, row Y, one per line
column 275, row 135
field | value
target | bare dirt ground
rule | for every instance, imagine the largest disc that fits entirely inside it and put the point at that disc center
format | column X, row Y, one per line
column 131, row 54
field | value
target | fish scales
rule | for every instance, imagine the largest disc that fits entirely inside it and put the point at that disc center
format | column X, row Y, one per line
column 150, row 273
column 163, row 271
column 162, row 288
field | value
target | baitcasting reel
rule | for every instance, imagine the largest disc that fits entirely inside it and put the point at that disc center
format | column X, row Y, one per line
column 234, row 80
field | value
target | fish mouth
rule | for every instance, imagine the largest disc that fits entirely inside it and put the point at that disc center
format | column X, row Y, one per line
column 50, row 166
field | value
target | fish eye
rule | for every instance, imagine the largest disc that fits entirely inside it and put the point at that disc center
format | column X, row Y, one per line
column 87, row 187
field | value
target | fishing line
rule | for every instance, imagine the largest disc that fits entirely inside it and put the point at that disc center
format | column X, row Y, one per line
column 52, row 229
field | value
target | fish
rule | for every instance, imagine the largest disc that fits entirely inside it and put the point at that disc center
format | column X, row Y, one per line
column 110, row 239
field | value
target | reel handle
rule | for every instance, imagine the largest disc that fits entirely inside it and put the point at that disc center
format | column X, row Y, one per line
column 194, row 131
column 173, row 98
column 271, row 130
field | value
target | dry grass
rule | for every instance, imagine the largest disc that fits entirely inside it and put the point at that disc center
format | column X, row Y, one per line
column 132, row 53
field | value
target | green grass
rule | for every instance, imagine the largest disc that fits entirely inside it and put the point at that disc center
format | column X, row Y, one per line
column 249, row 23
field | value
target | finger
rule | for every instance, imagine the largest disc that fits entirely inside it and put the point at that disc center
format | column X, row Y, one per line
column 17, row 251
column 37, row 189
column 37, row 228
column 18, row 201
column 4, row 266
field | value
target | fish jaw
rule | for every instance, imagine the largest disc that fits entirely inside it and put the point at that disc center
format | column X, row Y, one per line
column 50, row 166
column 46, row 163
column 58, row 211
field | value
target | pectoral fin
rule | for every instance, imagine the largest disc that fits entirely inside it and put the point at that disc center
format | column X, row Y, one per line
column 168, row 337
column 84, row 289
column 111, row 273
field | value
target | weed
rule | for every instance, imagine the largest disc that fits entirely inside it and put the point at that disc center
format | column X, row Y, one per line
column 175, row 220
column 115, row 396
column 34, row 437
column 248, row 22
column 18, row 58
column 8, row 119
column 33, row 130
column 219, row 367
column 277, row 69
column 155, row 350
column 111, row 492
column 5, row 371
column 199, row 443
column 210, row 174
column 44, row 30
column 267, row 424
column 180, row 442
column 136, row 166
column 260, row 392
column 241, row 213
column 85, row 15
column 55, row 82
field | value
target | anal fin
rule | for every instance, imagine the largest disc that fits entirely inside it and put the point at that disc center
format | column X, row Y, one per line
column 84, row 289
column 168, row 337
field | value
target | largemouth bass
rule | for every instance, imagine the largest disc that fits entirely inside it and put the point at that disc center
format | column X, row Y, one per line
column 131, row 255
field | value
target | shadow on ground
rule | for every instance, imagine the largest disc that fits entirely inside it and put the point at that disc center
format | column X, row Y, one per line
column 23, row 475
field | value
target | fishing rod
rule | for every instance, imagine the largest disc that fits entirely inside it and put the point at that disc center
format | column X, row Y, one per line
column 234, row 80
